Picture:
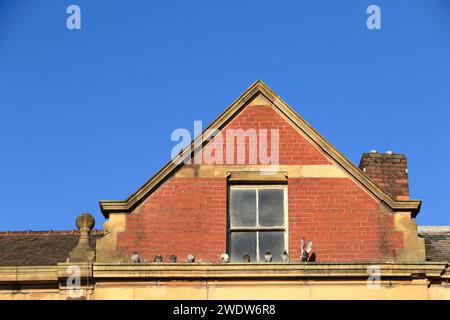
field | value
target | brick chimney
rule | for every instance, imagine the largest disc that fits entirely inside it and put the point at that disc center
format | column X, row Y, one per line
column 389, row 171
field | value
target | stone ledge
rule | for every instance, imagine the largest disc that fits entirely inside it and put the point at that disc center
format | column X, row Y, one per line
column 265, row 271
column 28, row 273
column 338, row 271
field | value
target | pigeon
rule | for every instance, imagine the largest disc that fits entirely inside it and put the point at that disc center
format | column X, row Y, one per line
column 304, row 256
column 135, row 258
column 190, row 258
column 284, row 257
column 225, row 258
column 173, row 259
column 268, row 256
column 246, row 257
column 306, row 253
column 312, row 257
column 309, row 247
column 158, row 258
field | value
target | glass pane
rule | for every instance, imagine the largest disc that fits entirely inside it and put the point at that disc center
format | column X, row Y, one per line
column 243, row 208
column 271, row 207
column 242, row 243
column 272, row 240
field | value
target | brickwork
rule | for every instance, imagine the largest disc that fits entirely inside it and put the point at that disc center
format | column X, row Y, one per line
column 389, row 171
column 189, row 214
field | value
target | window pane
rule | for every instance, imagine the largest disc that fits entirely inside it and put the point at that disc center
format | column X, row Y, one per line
column 242, row 243
column 274, row 241
column 243, row 208
column 271, row 207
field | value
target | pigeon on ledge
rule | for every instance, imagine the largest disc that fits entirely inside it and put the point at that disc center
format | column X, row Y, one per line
column 284, row 257
column 135, row 258
column 304, row 256
column 309, row 247
column 225, row 258
column 268, row 256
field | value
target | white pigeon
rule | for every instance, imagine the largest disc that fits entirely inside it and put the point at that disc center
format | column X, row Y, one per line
column 309, row 247
column 284, row 257
column 135, row 258
column 268, row 256
column 190, row 258
column 224, row 258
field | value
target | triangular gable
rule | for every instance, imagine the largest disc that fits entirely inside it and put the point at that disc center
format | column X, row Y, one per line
column 256, row 89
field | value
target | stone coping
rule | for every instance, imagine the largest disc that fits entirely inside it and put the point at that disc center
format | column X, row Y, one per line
column 267, row 271
column 433, row 229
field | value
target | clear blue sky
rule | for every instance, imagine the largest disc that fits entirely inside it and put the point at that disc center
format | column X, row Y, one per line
column 87, row 114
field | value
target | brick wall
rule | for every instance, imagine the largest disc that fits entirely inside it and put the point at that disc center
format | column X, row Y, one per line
column 189, row 215
column 293, row 149
column 185, row 215
column 342, row 220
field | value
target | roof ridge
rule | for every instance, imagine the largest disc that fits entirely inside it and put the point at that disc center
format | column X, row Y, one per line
column 46, row 232
column 433, row 229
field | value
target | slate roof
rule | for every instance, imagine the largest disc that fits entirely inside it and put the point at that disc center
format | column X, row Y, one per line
column 437, row 242
column 39, row 248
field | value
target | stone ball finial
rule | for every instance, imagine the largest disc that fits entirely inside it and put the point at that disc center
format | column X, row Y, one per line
column 85, row 221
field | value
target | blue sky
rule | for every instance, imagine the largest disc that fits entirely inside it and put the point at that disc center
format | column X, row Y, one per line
column 87, row 114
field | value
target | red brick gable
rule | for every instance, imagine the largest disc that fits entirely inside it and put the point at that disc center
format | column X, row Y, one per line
column 189, row 215
column 183, row 209
column 260, row 92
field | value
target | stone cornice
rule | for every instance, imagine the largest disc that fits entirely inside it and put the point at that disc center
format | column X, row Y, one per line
column 56, row 276
column 272, row 271
column 17, row 274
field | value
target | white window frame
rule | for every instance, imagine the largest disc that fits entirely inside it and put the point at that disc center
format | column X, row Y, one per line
column 257, row 229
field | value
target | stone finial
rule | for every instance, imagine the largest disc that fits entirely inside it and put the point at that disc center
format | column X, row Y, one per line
column 83, row 251
column 85, row 220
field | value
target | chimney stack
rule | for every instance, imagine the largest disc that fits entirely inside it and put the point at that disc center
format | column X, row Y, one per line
column 388, row 171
